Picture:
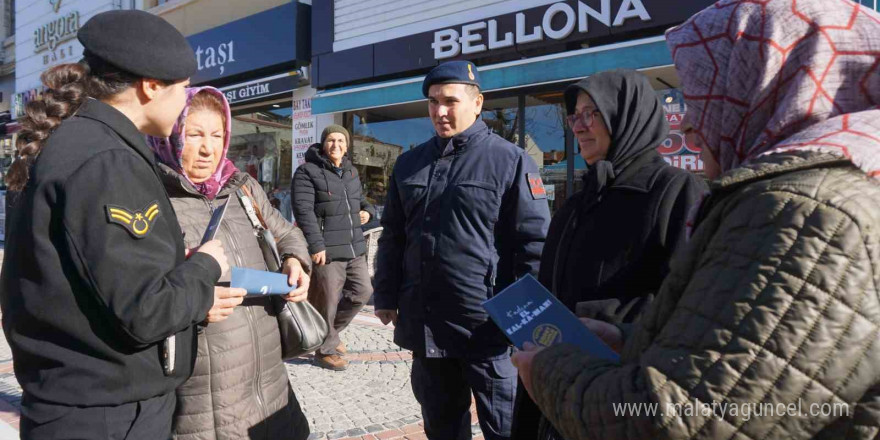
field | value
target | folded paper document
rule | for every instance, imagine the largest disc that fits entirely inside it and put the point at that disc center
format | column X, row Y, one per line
column 527, row 312
column 260, row 282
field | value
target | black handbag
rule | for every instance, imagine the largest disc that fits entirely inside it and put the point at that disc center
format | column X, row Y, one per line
column 302, row 328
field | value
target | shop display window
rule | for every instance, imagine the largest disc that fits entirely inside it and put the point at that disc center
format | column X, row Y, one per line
column 537, row 115
column 261, row 145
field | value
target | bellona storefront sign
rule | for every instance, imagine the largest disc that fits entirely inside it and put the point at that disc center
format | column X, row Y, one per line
column 559, row 21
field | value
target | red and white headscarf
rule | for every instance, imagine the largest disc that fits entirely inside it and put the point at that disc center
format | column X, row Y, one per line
column 764, row 76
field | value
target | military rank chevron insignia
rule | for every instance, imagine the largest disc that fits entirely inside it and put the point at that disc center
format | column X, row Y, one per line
column 137, row 223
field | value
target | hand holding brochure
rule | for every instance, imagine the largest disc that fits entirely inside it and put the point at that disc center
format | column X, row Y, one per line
column 260, row 282
column 527, row 312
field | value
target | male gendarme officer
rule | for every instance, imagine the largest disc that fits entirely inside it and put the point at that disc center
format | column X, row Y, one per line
column 95, row 277
column 466, row 214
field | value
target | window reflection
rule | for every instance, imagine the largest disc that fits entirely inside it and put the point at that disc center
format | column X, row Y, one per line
column 261, row 145
column 379, row 136
column 545, row 142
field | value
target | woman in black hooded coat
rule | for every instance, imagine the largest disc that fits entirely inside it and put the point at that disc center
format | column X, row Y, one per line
column 608, row 248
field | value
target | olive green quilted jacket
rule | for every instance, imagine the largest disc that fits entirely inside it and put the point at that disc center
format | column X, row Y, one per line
column 767, row 326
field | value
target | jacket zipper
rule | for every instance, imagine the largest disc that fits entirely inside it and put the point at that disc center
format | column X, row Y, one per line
column 350, row 221
column 258, row 390
column 572, row 221
column 252, row 326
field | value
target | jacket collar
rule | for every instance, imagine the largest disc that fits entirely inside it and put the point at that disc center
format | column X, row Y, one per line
column 119, row 123
column 462, row 140
column 176, row 184
column 639, row 175
column 772, row 165
column 315, row 155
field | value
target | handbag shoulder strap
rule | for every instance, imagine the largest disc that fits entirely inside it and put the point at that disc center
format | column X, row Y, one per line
column 251, row 208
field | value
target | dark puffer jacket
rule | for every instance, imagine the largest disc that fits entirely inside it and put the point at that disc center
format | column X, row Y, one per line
column 327, row 206
column 220, row 400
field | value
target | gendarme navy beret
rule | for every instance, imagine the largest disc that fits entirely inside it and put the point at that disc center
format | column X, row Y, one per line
column 140, row 43
column 453, row 72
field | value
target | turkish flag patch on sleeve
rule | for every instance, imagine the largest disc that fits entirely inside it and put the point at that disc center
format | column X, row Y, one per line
column 536, row 186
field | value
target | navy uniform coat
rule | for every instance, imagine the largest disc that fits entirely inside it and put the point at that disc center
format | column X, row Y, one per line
column 462, row 220
column 94, row 277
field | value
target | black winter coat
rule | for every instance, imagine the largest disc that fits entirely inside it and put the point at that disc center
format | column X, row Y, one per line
column 614, row 249
column 611, row 251
column 327, row 206
column 94, row 277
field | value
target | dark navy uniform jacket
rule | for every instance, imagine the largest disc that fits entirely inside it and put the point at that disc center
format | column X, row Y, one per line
column 94, row 277
column 462, row 220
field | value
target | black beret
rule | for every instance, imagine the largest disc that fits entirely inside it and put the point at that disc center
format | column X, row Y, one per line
column 453, row 72
column 139, row 43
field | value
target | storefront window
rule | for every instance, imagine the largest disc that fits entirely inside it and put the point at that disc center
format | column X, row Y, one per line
column 502, row 117
column 379, row 136
column 675, row 149
column 382, row 134
column 7, row 153
column 261, row 146
column 545, row 142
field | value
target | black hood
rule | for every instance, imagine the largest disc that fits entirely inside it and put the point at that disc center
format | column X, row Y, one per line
column 631, row 111
column 634, row 117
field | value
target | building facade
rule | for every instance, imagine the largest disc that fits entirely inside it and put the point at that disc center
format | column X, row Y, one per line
column 257, row 52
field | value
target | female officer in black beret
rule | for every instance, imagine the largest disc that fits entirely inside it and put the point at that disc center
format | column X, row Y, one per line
column 95, row 276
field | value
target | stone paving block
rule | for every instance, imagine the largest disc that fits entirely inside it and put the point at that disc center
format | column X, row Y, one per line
column 374, row 428
column 412, row 419
column 393, row 424
column 333, row 435
column 356, row 432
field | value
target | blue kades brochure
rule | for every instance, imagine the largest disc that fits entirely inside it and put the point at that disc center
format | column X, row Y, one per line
column 214, row 223
column 527, row 312
column 260, row 282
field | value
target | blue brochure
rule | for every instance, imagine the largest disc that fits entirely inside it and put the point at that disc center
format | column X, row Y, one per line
column 527, row 312
column 260, row 282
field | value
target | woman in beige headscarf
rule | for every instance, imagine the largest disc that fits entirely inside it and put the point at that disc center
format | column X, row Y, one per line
column 768, row 324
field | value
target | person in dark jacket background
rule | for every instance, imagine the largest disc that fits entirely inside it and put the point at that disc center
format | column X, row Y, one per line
column 329, row 207
column 609, row 246
column 96, row 275
column 466, row 214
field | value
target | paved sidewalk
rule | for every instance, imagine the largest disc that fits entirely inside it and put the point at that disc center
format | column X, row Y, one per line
column 371, row 400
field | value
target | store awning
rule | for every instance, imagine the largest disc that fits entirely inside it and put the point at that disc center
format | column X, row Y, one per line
column 567, row 66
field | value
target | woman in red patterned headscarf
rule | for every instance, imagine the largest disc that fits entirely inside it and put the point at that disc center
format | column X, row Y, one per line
column 768, row 325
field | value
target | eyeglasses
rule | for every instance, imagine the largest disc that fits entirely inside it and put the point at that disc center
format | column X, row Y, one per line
column 585, row 118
